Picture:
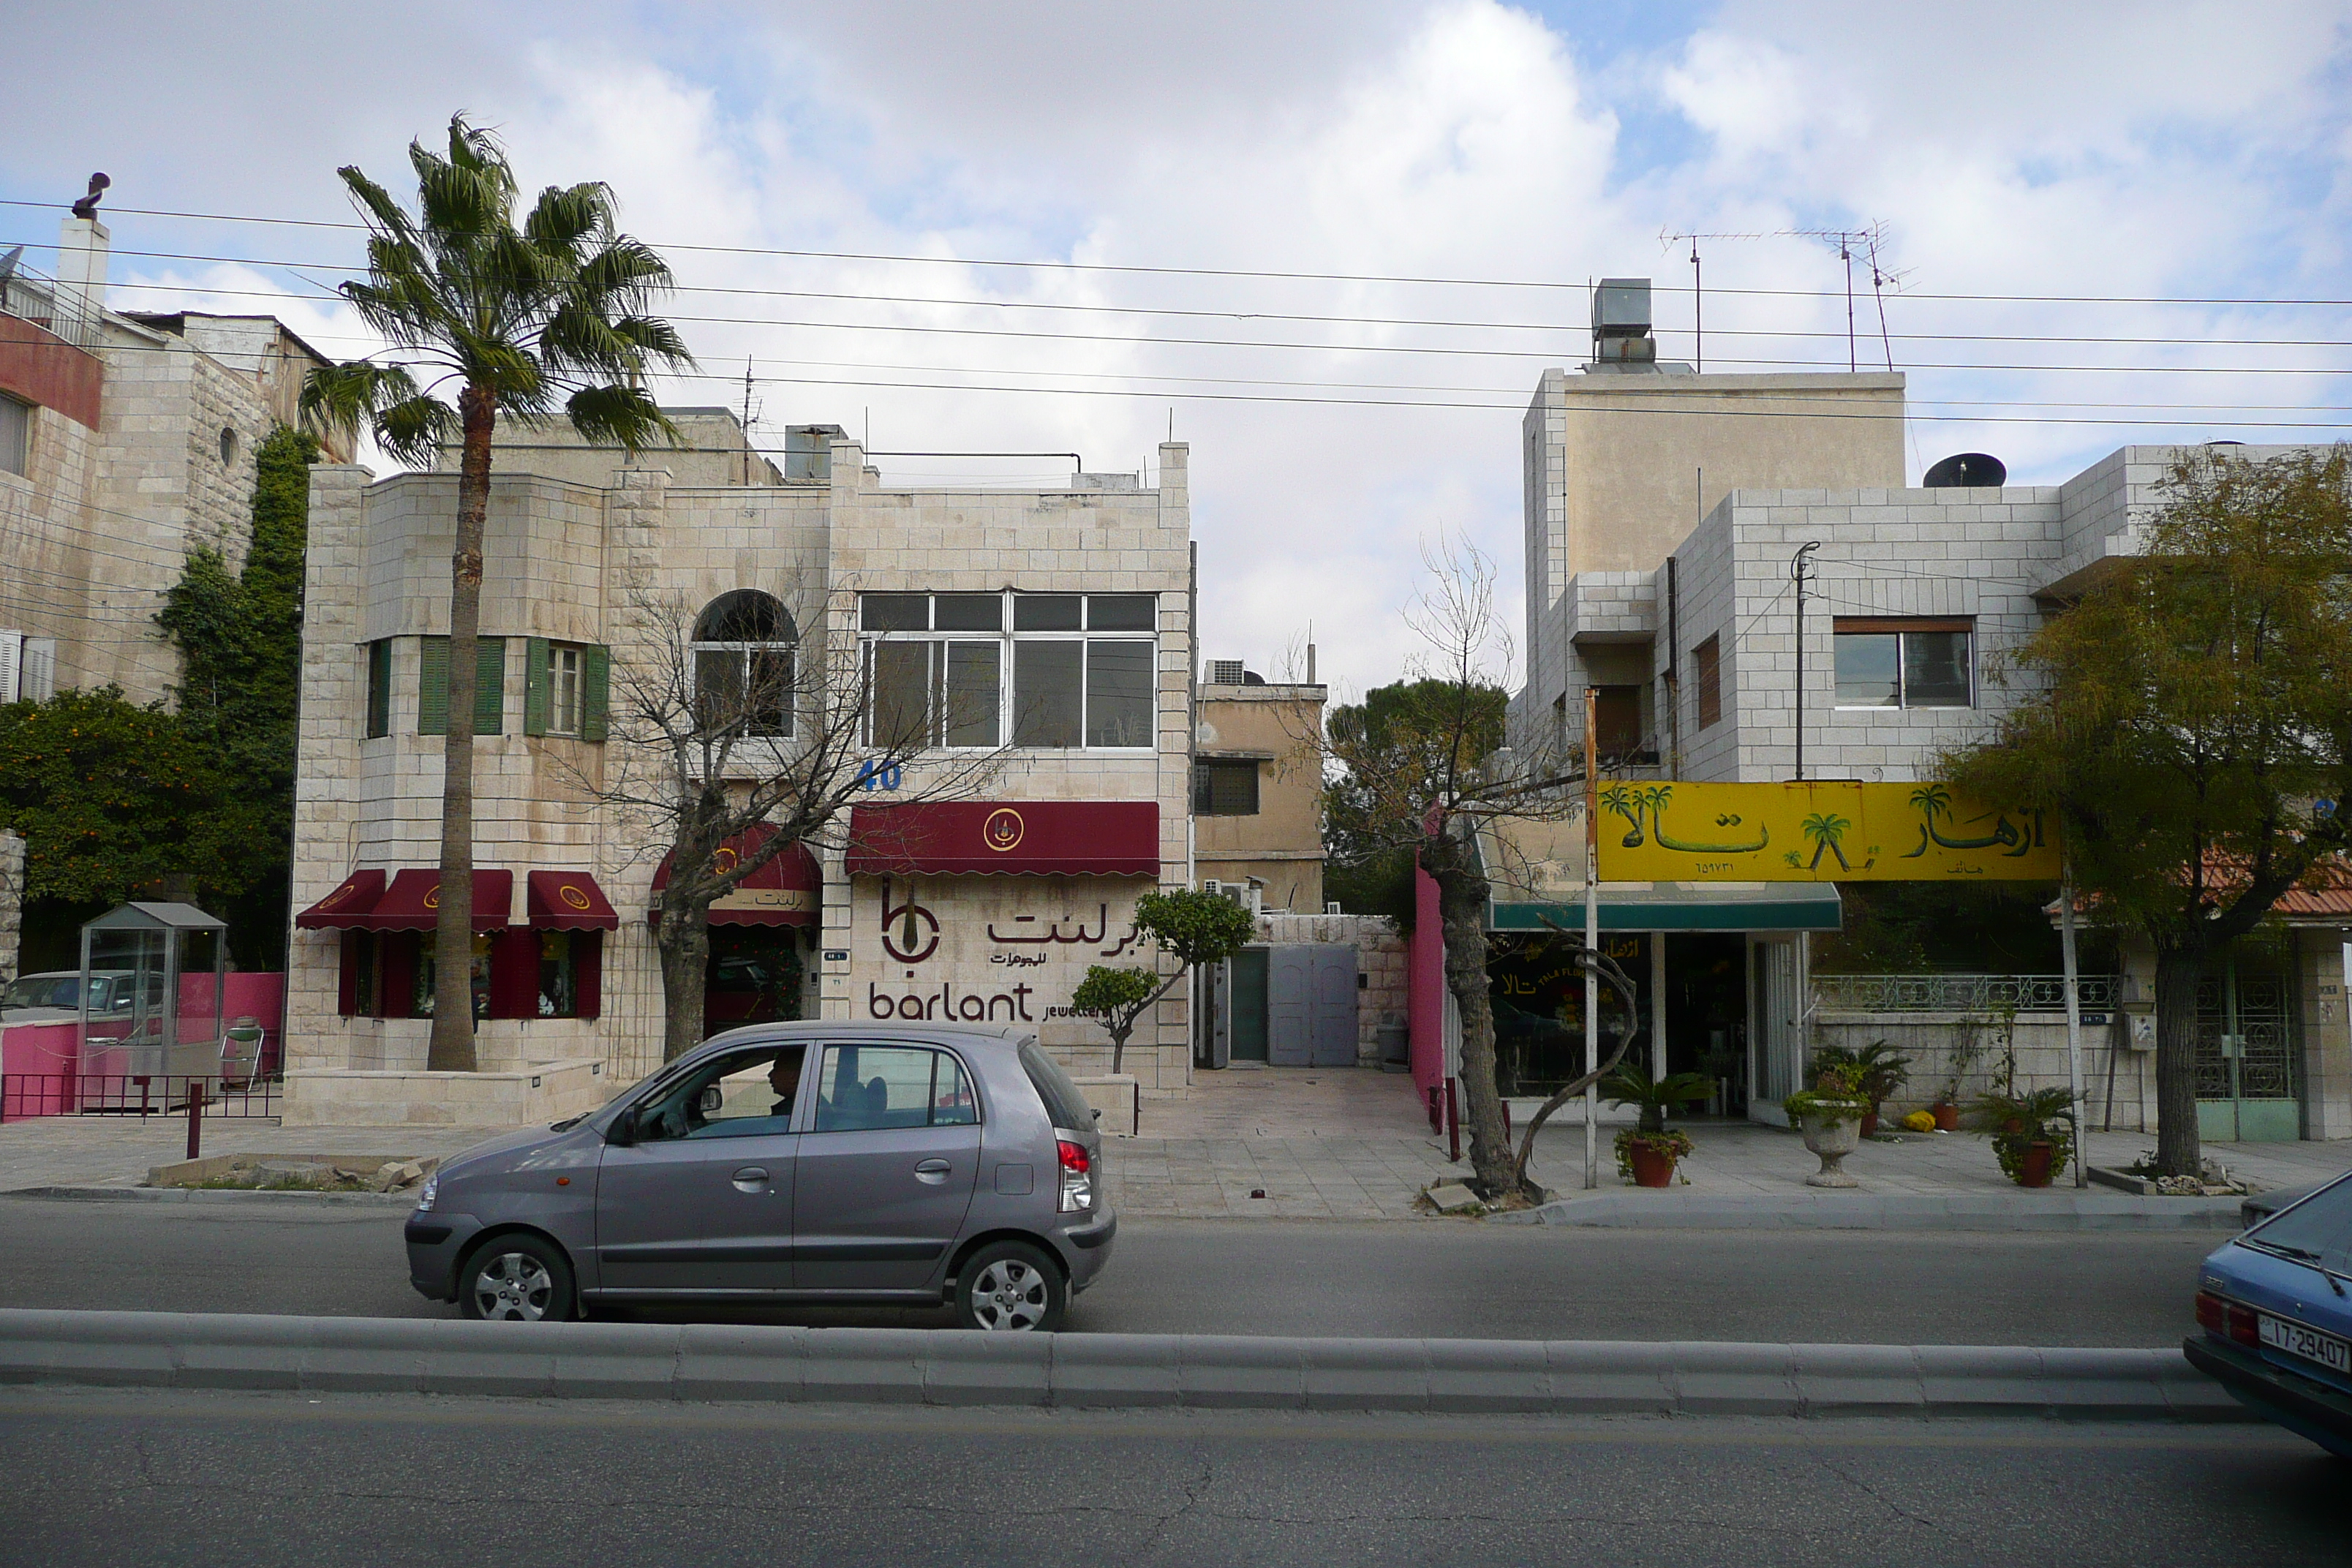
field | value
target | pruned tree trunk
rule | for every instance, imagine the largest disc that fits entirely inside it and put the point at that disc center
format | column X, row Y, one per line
column 684, row 941
column 2179, row 1150
column 452, row 1046
column 1462, row 892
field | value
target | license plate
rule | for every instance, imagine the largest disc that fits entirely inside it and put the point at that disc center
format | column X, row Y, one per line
column 2295, row 1340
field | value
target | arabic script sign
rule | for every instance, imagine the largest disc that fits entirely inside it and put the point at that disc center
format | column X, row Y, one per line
column 1825, row 832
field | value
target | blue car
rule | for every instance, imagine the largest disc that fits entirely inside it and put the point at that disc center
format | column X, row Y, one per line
column 2275, row 1309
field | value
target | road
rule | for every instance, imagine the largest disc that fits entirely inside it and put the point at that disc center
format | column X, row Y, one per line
column 102, row 1477
column 1435, row 1280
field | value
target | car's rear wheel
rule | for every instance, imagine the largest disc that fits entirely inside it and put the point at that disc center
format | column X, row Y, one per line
column 1011, row 1286
column 517, row 1279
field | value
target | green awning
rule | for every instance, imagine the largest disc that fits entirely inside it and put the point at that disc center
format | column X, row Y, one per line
column 1681, row 906
column 1536, row 866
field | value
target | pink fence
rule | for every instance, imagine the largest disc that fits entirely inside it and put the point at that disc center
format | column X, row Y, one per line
column 49, row 1055
column 1425, row 987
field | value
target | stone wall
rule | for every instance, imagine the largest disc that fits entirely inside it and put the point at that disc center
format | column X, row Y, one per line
column 12, row 902
column 1939, row 1045
column 534, row 1093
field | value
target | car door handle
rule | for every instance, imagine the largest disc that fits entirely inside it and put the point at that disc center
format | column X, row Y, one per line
column 751, row 1179
column 933, row 1172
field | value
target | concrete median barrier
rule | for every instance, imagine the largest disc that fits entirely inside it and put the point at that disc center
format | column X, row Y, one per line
column 912, row 1366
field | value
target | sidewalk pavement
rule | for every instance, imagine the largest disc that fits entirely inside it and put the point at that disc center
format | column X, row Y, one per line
column 1338, row 1144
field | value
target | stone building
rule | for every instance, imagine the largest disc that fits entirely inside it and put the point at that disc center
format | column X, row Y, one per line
column 126, row 439
column 1067, row 610
column 1689, row 635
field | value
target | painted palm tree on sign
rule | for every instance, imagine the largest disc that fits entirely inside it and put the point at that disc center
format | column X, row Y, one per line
column 1826, row 829
column 544, row 321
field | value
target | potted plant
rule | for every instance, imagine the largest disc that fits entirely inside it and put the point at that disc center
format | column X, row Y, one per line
column 1830, row 1115
column 1648, row 1150
column 1879, row 1070
column 2033, row 1133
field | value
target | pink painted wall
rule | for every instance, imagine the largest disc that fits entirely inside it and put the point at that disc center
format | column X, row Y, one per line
column 1426, row 986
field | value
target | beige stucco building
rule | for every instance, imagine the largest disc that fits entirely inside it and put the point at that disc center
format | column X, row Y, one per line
column 1059, row 617
column 1257, row 787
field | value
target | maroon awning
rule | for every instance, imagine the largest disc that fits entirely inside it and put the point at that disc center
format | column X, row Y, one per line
column 347, row 906
column 784, row 892
column 567, row 900
column 1027, row 838
column 413, row 903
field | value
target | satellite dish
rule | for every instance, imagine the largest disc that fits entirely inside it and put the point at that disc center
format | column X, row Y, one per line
column 8, row 264
column 1967, row 470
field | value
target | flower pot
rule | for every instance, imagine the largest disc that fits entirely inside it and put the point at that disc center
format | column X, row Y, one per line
column 1947, row 1116
column 1870, row 1124
column 1651, row 1167
column 2033, row 1165
column 1832, row 1142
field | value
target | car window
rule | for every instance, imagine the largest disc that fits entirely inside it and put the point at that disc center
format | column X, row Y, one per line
column 1063, row 1103
column 731, row 1097
column 866, row 1088
column 2316, row 1230
column 41, row 991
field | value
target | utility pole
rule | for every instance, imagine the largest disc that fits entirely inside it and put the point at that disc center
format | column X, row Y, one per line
column 1800, row 572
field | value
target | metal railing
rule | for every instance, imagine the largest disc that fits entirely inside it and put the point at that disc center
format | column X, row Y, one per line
column 30, row 297
column 23, row 1096
column 1961, row 993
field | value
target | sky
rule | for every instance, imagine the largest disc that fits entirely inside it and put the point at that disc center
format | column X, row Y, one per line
column 2026, row 166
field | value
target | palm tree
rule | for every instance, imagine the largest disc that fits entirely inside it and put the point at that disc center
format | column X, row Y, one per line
column 533, row 324
column 1825, row 829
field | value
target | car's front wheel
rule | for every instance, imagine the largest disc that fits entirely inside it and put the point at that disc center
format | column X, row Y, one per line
column 1011, row 1286
column 517, row 1279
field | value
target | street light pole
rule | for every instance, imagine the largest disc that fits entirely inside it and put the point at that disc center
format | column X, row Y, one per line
column 1801, row 571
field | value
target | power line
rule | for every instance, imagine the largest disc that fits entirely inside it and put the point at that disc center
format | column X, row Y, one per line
column 1245, row 272
column 1563, row 328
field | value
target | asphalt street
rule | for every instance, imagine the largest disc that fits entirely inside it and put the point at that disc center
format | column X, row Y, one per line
column 103, row 1477
column 1435, row 1280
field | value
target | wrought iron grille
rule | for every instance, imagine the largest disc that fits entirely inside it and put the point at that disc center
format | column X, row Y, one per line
column 2265, row 1050
column 1960, row 993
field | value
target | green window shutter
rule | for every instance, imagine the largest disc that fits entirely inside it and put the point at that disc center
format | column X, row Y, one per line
column 595, row 680
column 489, row 685
column 534, row 686
column 433, row 686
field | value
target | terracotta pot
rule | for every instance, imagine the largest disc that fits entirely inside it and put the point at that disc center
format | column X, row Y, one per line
column 2033, row 1169
column 1947, row 1116
column 1651, row 1167
column 1870, row 1124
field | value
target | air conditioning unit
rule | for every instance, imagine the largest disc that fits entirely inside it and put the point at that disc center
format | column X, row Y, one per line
column 1225, row 672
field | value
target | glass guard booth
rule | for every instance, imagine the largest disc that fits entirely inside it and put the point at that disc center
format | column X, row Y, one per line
column 152, row 976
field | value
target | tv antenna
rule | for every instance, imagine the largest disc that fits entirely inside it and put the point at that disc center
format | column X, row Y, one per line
column 750, row 418
column 1698, row 319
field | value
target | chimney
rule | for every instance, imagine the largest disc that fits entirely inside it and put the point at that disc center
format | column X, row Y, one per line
column 81, row 278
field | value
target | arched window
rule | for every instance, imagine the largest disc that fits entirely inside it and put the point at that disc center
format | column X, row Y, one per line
column 744, row 644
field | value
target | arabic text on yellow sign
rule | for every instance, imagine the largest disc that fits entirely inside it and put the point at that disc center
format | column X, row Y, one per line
column 1817, row 833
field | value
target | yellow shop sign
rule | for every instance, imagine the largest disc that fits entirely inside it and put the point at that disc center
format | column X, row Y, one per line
column 1826, row 832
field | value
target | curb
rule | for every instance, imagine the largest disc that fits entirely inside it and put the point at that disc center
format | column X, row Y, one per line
column 229, row 1196
column 1884, row 1211
column 1201, row 1372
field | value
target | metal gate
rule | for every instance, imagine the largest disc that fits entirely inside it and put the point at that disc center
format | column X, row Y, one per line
column 1310, row 1005
column 2246, row 1081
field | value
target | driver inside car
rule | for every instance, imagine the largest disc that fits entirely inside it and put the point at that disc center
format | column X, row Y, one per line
column 784, row 1077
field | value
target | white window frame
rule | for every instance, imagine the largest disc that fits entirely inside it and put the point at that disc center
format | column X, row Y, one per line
column 563, row 662
column 1008, row 641
column 1901, row 703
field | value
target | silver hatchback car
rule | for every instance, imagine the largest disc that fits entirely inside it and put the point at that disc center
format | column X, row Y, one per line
column 810, row 1163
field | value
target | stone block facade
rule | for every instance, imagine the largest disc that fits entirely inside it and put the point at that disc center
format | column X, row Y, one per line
column 627, row 568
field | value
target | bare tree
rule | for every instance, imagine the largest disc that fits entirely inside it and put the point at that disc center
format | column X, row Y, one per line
column 726, row 719
column 1418, row 769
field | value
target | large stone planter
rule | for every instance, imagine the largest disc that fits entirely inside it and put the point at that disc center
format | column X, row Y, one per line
column 1832, row 1142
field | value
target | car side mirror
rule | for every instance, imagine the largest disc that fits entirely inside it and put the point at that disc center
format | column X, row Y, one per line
column 623, row 1130
column 713, row 1101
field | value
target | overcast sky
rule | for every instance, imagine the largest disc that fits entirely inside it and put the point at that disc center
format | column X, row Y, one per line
column 2194, row 150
